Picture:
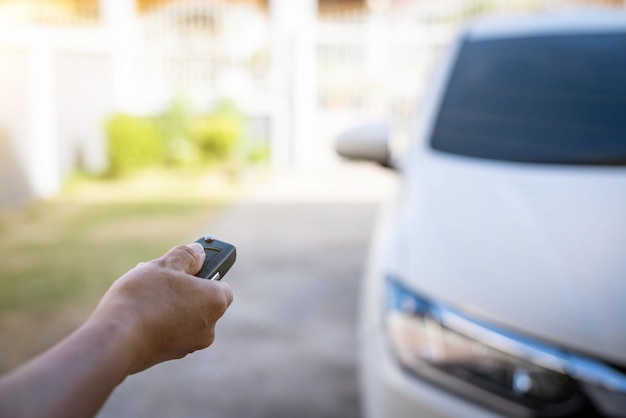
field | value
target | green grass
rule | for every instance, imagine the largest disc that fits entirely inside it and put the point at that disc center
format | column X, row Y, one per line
column 59, row 257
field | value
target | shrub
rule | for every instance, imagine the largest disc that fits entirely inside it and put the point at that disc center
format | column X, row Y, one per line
column 258, row 152
column 218, row 134
column 133, row 143
column 174, row 125
column 174, row 138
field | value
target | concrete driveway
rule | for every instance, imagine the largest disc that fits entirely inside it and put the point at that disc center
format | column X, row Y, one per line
column 286, row 347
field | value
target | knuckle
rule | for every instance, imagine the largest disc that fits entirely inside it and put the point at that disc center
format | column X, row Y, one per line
column 177, row 258
column 208, row 338
column 184, row 252
column 161, row 262
column 218, row 303
column 225, row 294
column 226, row 297
column 204, row 338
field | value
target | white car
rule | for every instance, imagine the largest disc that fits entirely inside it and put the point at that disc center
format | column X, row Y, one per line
column 496, row 283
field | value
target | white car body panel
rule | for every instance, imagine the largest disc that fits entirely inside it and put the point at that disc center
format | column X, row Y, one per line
column 532, row 248
column 536, row 249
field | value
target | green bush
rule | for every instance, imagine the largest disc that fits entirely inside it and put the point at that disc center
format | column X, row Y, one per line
column 173, row 138
column 258, row 152
column 218, row 134
column 133, row 143
column 174, row 125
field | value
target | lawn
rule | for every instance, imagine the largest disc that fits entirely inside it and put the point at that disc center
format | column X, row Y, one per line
column 58, row 257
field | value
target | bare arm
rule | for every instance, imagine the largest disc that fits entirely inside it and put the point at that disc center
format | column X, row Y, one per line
column 156, row 312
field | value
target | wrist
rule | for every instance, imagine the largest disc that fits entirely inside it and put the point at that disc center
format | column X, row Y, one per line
column 119, row 329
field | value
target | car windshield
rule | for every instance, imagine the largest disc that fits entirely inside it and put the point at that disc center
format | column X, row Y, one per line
column 550, row 99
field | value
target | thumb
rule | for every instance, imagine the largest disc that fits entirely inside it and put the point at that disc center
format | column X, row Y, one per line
column 186, row 258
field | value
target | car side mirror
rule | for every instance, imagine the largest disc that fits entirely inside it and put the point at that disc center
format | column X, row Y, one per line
column 368, row 142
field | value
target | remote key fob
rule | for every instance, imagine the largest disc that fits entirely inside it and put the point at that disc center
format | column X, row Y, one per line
column 220, row 257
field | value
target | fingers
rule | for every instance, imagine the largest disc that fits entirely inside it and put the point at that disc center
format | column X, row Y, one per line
column 223, row 297
column 227, row 292
column 185, row 258
column 189, row 259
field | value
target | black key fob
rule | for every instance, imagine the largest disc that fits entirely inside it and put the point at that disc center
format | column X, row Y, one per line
column 220, row 257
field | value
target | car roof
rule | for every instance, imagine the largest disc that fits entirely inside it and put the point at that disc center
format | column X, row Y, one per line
column 582, row 21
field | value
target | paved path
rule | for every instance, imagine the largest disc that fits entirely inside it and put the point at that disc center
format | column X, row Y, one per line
column 286, row 347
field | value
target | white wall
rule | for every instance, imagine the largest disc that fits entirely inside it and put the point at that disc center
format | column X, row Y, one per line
column 293, row 27
column 15, row 186
column 57, row 86
column 84, row 84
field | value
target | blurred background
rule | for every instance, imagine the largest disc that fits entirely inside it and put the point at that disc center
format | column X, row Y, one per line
column 129, row 126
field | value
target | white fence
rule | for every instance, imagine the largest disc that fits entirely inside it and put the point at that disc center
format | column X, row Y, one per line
column 65, row 65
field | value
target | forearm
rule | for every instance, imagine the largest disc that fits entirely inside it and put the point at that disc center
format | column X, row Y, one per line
column 75, row 377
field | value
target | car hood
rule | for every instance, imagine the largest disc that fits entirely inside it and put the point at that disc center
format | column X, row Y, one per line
column 537, row 249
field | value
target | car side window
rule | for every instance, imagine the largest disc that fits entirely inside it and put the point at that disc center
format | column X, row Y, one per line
column 549, row 99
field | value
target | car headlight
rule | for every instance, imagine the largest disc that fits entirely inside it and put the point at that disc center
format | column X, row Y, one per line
column 509, row 373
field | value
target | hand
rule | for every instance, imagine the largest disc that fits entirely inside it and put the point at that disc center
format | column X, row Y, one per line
column 168, row 311
column 156, row 312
